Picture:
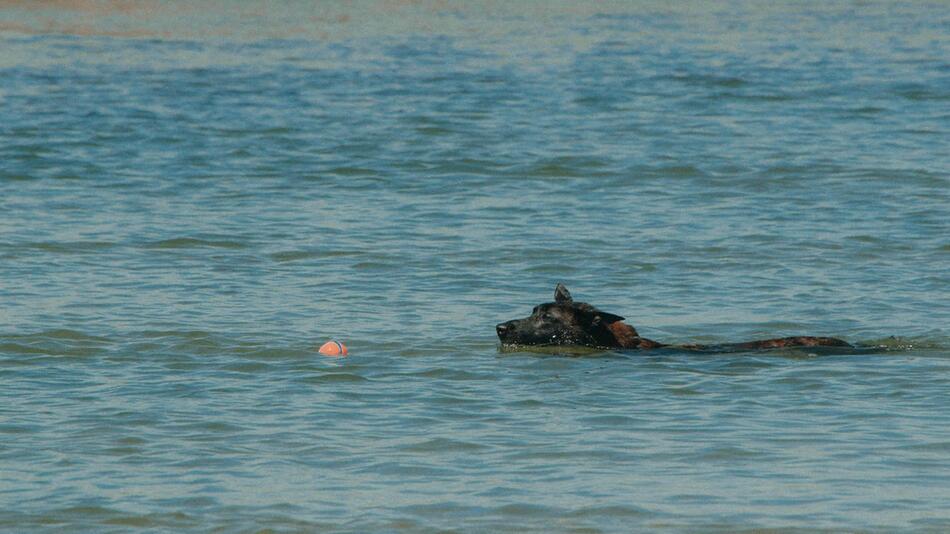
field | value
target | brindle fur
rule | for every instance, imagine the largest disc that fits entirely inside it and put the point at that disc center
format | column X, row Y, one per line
column 566, row 322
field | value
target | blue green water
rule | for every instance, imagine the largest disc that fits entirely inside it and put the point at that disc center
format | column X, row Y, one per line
column 193, row 197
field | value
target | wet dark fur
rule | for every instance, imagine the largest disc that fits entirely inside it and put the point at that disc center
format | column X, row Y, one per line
column 566, row 322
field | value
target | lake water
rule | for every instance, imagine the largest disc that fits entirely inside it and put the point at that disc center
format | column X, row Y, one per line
column 194, row 196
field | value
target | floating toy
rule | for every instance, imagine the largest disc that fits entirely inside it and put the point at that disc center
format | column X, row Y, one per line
column 333, row 348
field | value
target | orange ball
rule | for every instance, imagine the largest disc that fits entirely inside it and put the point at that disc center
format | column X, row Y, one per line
column 333, row 348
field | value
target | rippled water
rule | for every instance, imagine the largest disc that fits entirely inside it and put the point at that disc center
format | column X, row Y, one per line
column 193, row 197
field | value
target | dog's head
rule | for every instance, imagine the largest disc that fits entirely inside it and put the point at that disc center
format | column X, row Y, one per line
column 565, row 322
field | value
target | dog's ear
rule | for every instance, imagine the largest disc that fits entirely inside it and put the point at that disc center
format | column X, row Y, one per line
column 605, row 318
column 562, row 295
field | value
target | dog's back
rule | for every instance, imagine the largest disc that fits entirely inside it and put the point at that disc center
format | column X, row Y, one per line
column 566, row 322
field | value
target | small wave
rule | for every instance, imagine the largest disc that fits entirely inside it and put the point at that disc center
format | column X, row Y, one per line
column 894, row 343
column 762, row 97
column 89, row 517
column 615, row 511
column 192, row 242
column 553, row 350
column 527, row 510
column 62, row 247
column 184, row 343
column 612, row 421
column 726, row 454
column 434, row 131
column 437, row 445
column 443, row 373
column 707, row 80
column 567, row 167
column 868, row 110
column 247, row 367
column 352, row 171
column 296, row 255
column 16, row 177
column 333, row 378
column 69, row 335
column 60, row 342
column 920, row 92
column 641, row 172
column 936, row 447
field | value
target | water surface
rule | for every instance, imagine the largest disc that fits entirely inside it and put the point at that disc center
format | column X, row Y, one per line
column 194, row 197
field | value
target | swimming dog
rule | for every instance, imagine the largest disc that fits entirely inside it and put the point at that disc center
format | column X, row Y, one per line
column 565, row 322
